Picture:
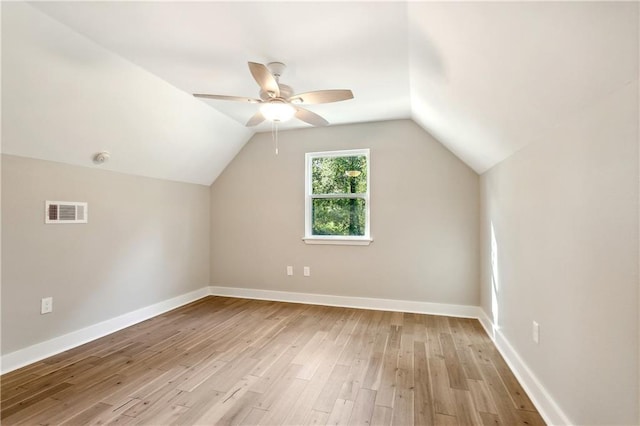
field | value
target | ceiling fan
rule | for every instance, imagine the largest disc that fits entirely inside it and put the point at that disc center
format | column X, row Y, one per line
column 278, row 102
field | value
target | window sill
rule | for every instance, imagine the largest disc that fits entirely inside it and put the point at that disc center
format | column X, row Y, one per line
column 338, row 241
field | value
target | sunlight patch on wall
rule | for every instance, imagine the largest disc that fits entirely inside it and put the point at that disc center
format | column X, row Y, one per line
column 495, row 281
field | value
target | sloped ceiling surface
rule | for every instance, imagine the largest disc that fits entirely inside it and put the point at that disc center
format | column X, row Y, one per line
column 484, row 78
column 489, row 78
column 64, row 99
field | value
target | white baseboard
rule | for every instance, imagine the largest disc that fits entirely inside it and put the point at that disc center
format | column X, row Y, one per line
column 464, row 311
column 39, row 351
column 546, row 405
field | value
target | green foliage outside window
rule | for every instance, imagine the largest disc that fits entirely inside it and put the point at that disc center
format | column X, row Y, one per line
column 346, row 179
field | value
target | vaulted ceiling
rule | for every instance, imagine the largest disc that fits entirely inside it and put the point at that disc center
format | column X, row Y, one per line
column 484, row 78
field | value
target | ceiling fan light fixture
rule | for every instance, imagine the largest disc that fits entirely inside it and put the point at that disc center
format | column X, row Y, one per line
column 278, row 102
column 277, row 111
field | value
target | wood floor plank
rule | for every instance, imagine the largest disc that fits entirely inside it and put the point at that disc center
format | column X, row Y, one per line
column 315, row 385
column 353, row 381
column 339, row 321
column 373, row 375
column 163, row 414
column 34, row 384
column 230, row 361
column 142, row 390
column 153, row 402
column 341, row 412
column 227, row 402
column 446, row 420
column 500, row 395
column 466, row 412
column 456, row 373
column 482, row 397
column 317, row 418
column 443, row 400
column 530, row 418
column 405, row 354
column 382, row 416
column 229, row 374
column 87, row 415
column 267, row 357
column 205, row 394
column 469, row 366
column 8, row 410
column 423, row 408
column 280, row 409
column 109, row 416
column 9, row 387
column 350, row 325
column 241, row 409
column 387, row 388
column 363, row 407
column 280, row 369
column 27, row 370
column 283, row 382
column 26, row 414
column 490, row 419
column 197, row 403
column 123, row 420
column 361, row 341
column 128, row 389
column 77, row 399
column 198, row 374
column 432, row 333
column 254, row 417
column 516, row 392
column 327, row 397
column 404, row 398
column 312, row 360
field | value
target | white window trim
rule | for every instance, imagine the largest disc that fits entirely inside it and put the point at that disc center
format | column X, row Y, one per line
column 309, row 238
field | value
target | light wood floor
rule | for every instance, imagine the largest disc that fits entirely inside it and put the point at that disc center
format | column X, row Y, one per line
column 223, row 361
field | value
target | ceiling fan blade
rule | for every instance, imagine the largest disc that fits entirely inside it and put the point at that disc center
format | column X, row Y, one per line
column 264, row 78
column 255, row 120
column 227, row 98
column 310, row 117
column 322, row 96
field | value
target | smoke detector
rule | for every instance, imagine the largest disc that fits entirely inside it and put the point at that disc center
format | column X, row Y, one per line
column 101, row 157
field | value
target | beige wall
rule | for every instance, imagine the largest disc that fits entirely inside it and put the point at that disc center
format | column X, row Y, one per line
column 424, row 219
column 147, row 240
column 564, row 213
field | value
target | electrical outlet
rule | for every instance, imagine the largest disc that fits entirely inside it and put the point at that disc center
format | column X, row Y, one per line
column 289, row 270
column 536, row 332
column 307, row 271
column 46, row 305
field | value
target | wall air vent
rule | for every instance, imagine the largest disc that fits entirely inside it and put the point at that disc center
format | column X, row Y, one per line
column 65, row 212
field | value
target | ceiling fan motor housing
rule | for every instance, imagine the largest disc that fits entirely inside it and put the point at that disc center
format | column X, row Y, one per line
column 285, row 92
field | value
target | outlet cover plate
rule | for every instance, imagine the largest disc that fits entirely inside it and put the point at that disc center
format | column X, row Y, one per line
column 46, row 305
column 536, row 332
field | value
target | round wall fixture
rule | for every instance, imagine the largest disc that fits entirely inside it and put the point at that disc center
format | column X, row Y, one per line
column 101, row 157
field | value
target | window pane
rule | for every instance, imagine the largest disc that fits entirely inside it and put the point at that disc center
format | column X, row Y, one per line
column 338, row 216
column 339, row 175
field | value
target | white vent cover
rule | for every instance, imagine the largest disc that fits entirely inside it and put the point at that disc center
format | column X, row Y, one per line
column 65, row 212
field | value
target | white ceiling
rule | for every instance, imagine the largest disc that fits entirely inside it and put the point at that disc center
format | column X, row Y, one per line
column 484, row 78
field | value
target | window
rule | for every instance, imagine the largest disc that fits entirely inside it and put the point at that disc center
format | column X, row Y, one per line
column 337, row 197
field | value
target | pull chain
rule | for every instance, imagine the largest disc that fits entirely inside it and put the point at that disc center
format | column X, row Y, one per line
column 274, row 134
